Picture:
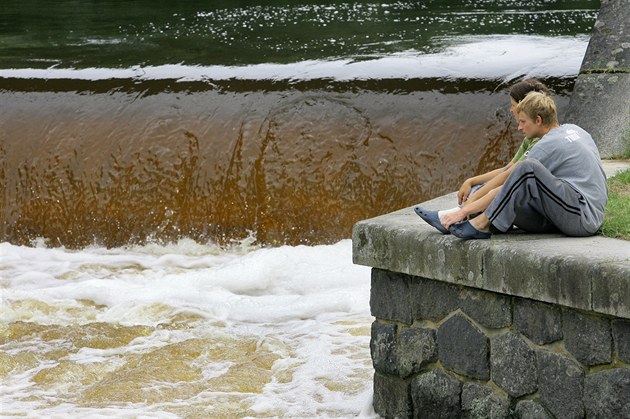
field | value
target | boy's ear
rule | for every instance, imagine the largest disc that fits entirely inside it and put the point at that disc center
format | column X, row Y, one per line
column 539, row 120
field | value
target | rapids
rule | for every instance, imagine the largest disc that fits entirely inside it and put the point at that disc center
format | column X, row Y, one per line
column 184, row 330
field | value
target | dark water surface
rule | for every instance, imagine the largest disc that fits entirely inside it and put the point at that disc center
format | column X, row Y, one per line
column 117, row 160
column 119, row 34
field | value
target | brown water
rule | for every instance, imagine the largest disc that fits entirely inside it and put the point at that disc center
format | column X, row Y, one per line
column 113, row 162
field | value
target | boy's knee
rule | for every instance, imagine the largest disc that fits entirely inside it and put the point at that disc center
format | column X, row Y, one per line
column 529, row 165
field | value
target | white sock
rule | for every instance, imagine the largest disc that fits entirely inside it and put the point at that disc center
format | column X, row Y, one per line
column 448, row 211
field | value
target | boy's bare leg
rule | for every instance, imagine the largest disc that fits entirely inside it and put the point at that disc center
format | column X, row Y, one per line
column 481, row 223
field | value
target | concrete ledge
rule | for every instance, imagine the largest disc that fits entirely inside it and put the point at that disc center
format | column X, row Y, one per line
column 591, row 273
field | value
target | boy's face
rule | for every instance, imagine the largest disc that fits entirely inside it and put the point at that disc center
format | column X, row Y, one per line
column 529, row 127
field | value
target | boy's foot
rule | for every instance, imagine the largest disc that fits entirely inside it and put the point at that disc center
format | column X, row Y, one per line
column 466, row 230
column 431, row 218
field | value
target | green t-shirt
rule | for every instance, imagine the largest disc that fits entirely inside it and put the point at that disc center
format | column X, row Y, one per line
column 526, row 145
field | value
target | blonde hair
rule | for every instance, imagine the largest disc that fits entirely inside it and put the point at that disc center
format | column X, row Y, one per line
column 539, row 104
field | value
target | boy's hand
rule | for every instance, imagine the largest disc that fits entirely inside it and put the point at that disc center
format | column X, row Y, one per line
column 464, row 191
column 455, row 217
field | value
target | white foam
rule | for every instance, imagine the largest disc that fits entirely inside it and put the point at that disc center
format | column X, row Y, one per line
column 298, row 302
column 264, row 285
column 482, row 57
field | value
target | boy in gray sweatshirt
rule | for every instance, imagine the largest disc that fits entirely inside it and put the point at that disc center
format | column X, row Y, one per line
column 560, row 186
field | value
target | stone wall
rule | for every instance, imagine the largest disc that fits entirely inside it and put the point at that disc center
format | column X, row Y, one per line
column 446, row 350
column 520, row 325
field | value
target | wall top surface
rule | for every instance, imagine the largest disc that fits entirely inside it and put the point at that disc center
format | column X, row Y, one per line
column 586, row 273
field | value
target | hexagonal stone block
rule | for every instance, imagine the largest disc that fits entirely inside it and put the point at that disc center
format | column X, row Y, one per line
column 621, row 336
column 529, row 409
column 415, row 348
column 383, row 347
column 560, row 384
column 513, row 365
column 463, row 348
column 480, row 402
column 540, row 322
column 587, row 337
column 607, row 394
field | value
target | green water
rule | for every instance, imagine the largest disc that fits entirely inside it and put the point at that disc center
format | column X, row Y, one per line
column 121, row 34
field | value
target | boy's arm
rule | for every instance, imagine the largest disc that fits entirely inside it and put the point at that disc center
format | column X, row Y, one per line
column 493, row 183
column 464, row 190
column 489, row 180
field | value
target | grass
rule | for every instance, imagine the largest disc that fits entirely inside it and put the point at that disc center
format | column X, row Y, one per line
column 617, row 219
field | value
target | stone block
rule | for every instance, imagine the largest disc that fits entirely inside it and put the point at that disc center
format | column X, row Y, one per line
column 383, row 347
column 463, row 348
column 540, row 271
column 607, row 394
column 621, row 338
column 390, row 296
column 415, row 348
column 433, row 300
column 587, row 337
column 490, row 309
column 560, row 384
column 529, row 409
column 611, row 290
column 540, row 322
column 480, row 402
column 391, row 397
column 435, row 394
column 513, row 365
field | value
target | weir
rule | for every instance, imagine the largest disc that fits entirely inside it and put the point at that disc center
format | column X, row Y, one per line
column 296, row 164
column 521, row 325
